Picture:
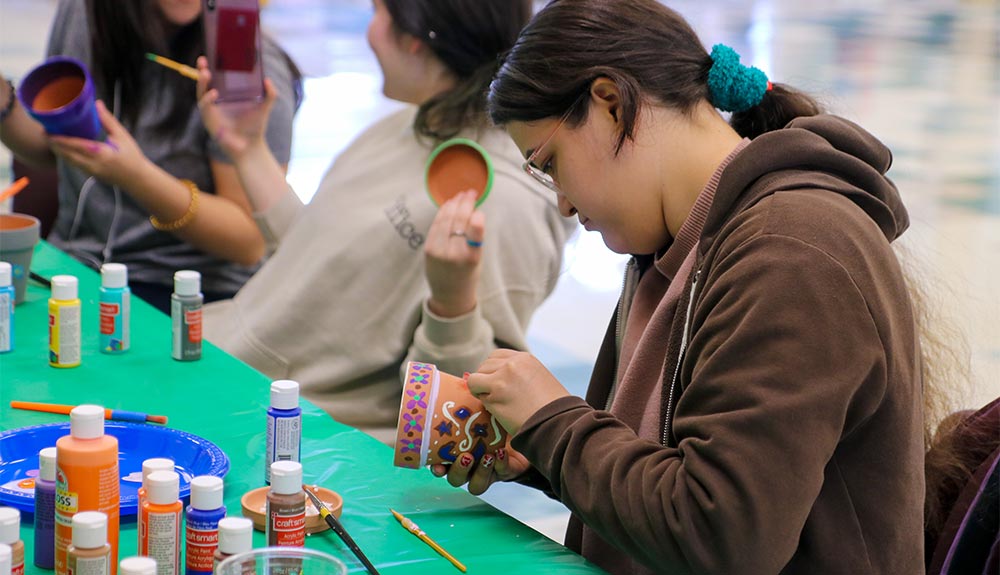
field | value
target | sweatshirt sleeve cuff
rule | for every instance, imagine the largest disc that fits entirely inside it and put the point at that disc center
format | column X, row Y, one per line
column 275, row 222
column 443, row 331
column 541, row 422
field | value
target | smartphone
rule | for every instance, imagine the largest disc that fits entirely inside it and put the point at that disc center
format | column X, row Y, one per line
column 233, row 49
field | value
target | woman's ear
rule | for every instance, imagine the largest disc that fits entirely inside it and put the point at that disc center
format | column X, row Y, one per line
column 605, row 99
column 413, row 45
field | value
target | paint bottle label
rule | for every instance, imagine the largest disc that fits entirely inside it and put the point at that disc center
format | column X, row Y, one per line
column 84, row 488
column 89, row 565
column 284, row 436
column 6, row 319
column 186, row 317
column 45, row 524
column 64, row 334
column 202, row 541
column 162, row 541
column 286, row 527
column 115, row 310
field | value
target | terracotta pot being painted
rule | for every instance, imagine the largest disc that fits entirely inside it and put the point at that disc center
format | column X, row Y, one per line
column 18, row 236
column 439, row 420
column 60, row 95
column 458, row 165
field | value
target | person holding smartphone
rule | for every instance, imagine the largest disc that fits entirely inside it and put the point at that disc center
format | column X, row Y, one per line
column 371, row 273
column 158, row 194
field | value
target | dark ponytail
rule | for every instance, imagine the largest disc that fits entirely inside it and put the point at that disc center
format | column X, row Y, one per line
column 468, row 36
column 647, row 49
column 780, row 105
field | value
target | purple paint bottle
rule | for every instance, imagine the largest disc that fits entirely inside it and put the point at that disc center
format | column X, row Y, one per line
column 45, row 509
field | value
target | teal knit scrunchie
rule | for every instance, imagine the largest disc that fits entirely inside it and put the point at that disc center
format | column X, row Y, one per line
column 733, row 87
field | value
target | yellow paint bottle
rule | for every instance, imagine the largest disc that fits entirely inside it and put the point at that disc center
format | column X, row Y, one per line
column 64, row 323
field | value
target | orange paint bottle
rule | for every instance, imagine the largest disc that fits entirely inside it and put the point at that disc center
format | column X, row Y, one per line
column 86, row 479
column 148, row 467
column 160, row 537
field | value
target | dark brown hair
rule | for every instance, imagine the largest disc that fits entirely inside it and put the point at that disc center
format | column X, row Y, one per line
column 647, row 49
column 468, row 36
column 120, row 35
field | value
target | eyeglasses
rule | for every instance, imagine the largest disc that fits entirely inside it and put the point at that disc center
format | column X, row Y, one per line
column 529, row 165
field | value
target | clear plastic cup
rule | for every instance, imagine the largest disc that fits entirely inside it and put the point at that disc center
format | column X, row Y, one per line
column 282, row 561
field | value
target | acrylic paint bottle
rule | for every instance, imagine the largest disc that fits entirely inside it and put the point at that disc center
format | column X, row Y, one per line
column 202, row 519
column 45, row 509
column 86, row 479
column 185, row 310
column 285, row 520
column 284, row 426
column 161, row 522
column 115, row 307
column 148, row 466
column 10, row 534
column 5, row 558
column 90, row 553
column 235, row 537
column 64, row 323
column 6, row 309
column 137, row 566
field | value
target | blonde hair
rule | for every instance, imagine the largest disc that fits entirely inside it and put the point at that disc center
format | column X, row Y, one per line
column 947, row 383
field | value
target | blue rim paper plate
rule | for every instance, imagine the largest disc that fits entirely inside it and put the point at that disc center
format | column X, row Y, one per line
column 192, row 456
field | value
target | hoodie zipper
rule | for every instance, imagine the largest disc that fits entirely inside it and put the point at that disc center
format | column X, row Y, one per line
column 668, row 418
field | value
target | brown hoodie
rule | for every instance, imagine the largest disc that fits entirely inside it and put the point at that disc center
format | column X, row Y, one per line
column 793, row 430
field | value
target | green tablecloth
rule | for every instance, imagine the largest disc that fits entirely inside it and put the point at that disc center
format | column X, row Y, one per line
column 224, row 400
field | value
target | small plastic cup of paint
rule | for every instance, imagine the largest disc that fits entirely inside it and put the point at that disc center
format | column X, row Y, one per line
column 458, row 165
column 59, row 93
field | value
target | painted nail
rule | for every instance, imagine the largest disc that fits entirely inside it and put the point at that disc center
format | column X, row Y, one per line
column 466, row 460
column 487, row 461
column 501, row 454
column 93, row 148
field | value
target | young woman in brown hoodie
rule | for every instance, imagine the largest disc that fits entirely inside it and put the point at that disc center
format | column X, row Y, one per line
column 756, row 405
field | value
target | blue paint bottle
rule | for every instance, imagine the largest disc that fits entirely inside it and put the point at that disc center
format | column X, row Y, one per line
column 6, row 309
column 284, row 426
column 116, row 303
column 203, row 516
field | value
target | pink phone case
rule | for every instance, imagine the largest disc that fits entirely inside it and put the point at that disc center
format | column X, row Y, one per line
column 233, row 49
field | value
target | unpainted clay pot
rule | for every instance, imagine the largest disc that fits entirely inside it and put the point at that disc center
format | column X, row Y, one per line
column 254, row 505
column 439, row 419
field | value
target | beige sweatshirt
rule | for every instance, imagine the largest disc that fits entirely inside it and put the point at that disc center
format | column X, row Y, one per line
column 340, row 304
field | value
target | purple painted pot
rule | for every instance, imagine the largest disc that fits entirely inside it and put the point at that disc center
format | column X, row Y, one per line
column 60, row 94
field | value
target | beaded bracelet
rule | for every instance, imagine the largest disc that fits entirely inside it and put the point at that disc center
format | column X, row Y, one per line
column 9, row 106
column 186, row 218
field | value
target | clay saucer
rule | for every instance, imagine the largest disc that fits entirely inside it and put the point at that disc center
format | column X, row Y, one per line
column 458, row 165
column 255, row 501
